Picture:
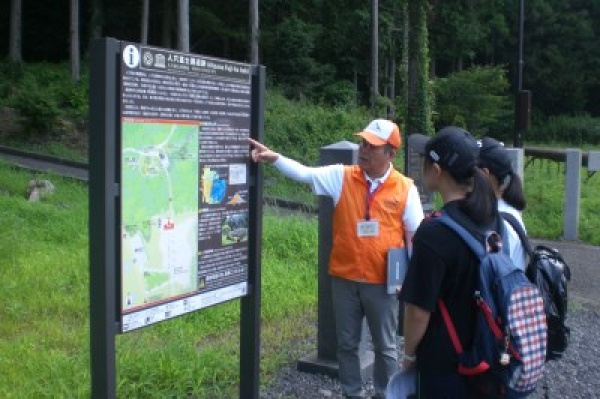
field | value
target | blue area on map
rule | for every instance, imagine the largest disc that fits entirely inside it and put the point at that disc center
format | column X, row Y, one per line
column 218, row 191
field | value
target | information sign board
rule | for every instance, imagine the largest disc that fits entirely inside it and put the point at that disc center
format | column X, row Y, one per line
column 185, row 120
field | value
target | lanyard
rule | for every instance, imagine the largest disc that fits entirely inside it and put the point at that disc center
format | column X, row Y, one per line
column 370, row 198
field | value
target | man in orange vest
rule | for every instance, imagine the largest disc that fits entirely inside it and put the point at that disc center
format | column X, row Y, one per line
column 376, row 209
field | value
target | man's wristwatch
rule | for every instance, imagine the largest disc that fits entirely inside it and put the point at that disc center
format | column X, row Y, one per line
column 410, row 358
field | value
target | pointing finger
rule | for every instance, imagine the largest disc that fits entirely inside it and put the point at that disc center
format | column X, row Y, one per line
column 259, row 146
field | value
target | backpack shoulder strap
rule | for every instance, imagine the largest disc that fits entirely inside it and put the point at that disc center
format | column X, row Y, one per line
column 477, row 247
column 514, row 223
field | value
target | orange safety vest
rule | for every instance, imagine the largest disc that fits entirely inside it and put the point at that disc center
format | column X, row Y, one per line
column 365, row 258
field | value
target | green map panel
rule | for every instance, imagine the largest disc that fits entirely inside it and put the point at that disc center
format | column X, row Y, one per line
column 159, row 164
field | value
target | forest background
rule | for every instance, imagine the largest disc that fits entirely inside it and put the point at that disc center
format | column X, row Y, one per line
column 439, row 62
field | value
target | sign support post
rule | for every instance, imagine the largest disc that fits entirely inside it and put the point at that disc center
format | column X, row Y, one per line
column 250, row 304
column 103, row 192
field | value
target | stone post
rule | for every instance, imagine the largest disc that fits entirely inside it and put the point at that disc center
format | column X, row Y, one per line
column 517, row 157
column 572, row 193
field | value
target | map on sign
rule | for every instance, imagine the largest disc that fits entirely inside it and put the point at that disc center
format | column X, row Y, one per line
column 213, row 187
column 159, row 210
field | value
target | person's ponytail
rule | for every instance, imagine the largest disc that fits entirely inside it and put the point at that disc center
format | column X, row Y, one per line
column 513, row 194
column 480, row 204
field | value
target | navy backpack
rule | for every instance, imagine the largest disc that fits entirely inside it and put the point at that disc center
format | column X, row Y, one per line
column 508, row 353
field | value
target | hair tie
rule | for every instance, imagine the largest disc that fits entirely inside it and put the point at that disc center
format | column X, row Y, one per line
column 506, row 181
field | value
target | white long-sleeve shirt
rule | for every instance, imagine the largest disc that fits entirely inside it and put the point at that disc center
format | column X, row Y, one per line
column 328, row 180
column 517, row 251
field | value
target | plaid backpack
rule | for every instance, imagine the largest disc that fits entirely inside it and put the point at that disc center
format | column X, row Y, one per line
column 508, row 353
column 550, row 273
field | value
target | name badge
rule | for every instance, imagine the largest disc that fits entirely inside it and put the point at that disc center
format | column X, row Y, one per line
column 367, row 228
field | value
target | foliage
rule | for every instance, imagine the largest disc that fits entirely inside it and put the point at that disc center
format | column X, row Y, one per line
column 476, row 99
column 10, row 73
column 341, row 93
column 38, row 110
column 300, row 129
column 309, row 45
column 294, row 67
column 344, row 40
column 45, row 97
column 576, row 130
column 562, row 55
column 460, row 32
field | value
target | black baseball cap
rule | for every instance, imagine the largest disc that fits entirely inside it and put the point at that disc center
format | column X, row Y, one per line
column 452, row 147
column 495, row 158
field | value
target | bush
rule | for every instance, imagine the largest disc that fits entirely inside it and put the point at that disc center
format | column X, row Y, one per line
column 37, row 108
column 294, row 66
column 299, row 129
column 476, row 99
column 341, row 93
column 44, row 96
column 10, row 72
column 564, row 129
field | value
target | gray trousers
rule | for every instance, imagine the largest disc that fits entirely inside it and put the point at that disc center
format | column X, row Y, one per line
column 351, row 302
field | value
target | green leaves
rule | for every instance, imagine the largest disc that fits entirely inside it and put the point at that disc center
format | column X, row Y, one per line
column 476, row 99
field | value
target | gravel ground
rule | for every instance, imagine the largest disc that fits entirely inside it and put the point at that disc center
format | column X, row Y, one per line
column 576, row 375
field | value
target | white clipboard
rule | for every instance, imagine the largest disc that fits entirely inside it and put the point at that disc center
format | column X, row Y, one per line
column 397, row 264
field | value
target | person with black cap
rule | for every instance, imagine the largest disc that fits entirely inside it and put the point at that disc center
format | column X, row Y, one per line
column 495, row 162
column 442, row 265
column 376, row 208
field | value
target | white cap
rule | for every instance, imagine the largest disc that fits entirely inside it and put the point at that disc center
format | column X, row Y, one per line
column 380, row 132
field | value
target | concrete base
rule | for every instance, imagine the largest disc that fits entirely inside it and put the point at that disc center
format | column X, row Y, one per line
column 329, row 367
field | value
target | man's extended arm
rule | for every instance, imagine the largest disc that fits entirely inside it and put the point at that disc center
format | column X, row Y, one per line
column 324, row 180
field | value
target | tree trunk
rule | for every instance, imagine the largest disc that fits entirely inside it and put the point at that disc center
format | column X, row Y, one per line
column 183, row 26
column 355, row 81
column 167, row 23
column 75, row 59
column 14, row 52
column 254, row 32
column 418, row 114
column 404, row 61
column 392, row 87
column 97, row 19
column 374, row 52
column 145, row 16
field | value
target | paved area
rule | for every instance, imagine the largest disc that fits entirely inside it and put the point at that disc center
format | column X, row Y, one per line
column 41, row 163
column 584, row 261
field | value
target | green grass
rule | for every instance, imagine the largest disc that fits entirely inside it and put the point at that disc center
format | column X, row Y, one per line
column 44, row 328
column 544, row 191
column 44, row 333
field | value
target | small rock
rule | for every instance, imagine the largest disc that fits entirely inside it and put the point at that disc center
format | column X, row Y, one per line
column 38, row 189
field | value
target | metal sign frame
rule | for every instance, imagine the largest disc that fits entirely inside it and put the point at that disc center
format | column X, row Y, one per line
column 104, row 231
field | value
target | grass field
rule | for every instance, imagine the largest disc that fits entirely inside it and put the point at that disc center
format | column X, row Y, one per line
column 44, row 328
column 44, row 333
